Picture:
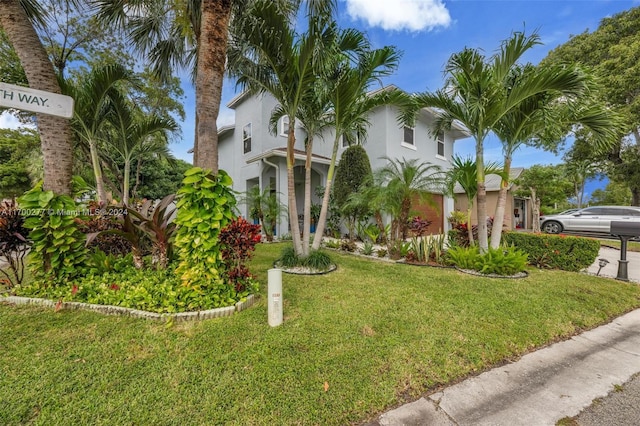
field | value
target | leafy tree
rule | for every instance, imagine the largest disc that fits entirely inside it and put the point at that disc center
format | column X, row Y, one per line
column 613, row 52
column 158, row 177
column 16, row 147
column 546, row 185
column 353, row 171
column 615, row 193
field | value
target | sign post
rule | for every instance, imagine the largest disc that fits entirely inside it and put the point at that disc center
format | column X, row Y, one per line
column 25, row 98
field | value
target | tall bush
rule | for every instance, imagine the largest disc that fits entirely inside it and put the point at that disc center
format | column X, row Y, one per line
column 13, row 242
column 238, row 241
column 205, row 206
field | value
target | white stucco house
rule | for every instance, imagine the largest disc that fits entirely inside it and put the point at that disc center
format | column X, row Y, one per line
column 252, row 155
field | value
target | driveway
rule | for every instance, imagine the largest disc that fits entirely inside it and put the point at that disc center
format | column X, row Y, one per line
column 611, row 269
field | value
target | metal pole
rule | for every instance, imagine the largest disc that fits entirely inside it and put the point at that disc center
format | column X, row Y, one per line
column 623, row 274
column 274, row 297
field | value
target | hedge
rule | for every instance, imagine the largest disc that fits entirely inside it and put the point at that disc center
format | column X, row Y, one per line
column 563, row 252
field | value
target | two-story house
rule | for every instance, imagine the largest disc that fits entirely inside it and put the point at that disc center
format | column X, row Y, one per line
column 252, row 155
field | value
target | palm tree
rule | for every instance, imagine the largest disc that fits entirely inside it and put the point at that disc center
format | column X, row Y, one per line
column 547, row 117
column 55, row 132
column 351, row 104
column 464, row 172
column 268, row 55
column 131, row 130
column 93, row 104
column 406, row 180
column 475, row 96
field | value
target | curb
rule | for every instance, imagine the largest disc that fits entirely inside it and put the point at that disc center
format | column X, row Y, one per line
column 134, row 313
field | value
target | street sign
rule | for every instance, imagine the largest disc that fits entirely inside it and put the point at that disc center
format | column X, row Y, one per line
column 33, row 100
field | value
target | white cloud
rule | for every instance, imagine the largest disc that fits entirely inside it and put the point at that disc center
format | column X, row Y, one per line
column 9, row 121
column 412, row 15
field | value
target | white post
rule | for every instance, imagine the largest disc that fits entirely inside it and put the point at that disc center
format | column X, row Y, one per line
column 274, row 297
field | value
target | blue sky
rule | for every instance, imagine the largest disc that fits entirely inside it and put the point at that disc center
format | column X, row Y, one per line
column 429, row 31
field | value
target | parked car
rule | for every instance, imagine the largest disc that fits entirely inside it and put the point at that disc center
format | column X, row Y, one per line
column 595, row 219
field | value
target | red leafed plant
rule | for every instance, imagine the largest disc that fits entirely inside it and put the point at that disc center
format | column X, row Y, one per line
column 238, row 241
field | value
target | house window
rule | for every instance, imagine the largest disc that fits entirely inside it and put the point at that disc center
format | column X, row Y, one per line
column 440, row 142
column 284, row 126
column 246, row 138
column 408, row 135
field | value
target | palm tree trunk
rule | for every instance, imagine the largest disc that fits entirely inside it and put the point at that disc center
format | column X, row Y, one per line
column 306, row 231
column 481, row 206
column 134, row 190
column 212, row 51
column 322, row 220
column 97, row 172
column 291, row 190
column 498, row 218
column 535, row 201
column 469, row 226
column 125, row 183
column 55, row 132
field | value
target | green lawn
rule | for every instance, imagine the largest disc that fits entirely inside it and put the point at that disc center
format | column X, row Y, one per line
column 379, row 334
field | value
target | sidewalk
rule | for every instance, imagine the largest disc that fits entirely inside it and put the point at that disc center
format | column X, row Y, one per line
column 544, row 386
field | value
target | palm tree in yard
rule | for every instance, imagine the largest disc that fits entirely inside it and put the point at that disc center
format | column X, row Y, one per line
column 547, row 117
column 477, row 94
column 55, row 132
column 268, row 55
column 93, row 104
column 406, row 180
column 351, row 104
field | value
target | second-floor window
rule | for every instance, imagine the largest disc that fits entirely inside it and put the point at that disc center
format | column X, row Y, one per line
column 284, row 126
column 408, row 135
column 440, row 142
column 246, row 138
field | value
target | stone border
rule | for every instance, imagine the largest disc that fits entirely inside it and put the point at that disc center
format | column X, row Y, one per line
column 135, row 313
column 523, row 274
column 307, row 271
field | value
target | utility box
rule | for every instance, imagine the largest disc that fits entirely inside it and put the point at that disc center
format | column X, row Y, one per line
column 624, row 231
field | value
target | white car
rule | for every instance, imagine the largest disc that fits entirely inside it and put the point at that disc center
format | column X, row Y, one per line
column 595, row 219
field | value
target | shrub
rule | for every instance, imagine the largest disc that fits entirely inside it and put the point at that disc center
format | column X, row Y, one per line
column 157, row 227
column 501, row 261
column 58, row 253
column 107, row 243
column 317, row 260
column 289, row 258
column 332, row 244
column 205, row 206
column 367, row 248
column 238, row 240
column 381, row 252
column 348, row 245
column 13, row 241
column 419, row 227
column 567, row 253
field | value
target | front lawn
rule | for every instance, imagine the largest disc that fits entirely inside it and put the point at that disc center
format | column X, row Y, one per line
column 354, row 343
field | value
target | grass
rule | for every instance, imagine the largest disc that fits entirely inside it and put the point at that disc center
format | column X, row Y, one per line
column 631, row 245
column 377, row 333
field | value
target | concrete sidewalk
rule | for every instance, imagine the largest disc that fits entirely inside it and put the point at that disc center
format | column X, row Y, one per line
column 544, row 386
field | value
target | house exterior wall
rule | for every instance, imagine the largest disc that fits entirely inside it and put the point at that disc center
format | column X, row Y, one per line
column 509, row 221
column 384, row 139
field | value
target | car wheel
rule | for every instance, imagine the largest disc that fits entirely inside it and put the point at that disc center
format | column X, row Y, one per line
column 552, row 227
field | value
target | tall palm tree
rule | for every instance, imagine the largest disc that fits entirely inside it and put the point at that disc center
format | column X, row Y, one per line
column 406, row 180
column 55, row 132
column 351, row 104
column 547, row 117
column 475, row 96
column 93, row 104
column 268, row 55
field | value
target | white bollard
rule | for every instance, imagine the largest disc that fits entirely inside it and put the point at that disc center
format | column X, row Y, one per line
column 274, row 297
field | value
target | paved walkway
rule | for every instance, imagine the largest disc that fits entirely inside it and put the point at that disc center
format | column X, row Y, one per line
column 547, row 385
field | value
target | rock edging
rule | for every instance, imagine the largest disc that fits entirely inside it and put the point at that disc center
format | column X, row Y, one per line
column 135, row 313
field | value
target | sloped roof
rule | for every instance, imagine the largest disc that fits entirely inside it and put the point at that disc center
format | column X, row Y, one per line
column 493, row 181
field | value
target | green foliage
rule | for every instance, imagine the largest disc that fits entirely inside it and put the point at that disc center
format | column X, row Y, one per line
column 333, row 244
column 381, row 252
column 615, row 193
column 205, row 206
column 549, row 182
column 156, row 225
column 372, row 232
column 264, row 205
column 149, row 290
column 16, row 148
column 426, row 249
column 353, row 171
column 13, row 242
column 367, row 248
column 317, row 260
column 499, row 261
column 556, row 251
column 58, row 253
column 100, row 262
column 159, row 178
column 348, row 245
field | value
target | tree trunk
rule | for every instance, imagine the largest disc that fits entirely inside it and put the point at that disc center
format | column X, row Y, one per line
column 322, row 220
column 125, row 183
column 535, row 201
column 306, row 231
column 635, row 196
column 55, row 132
column 97, row 172
column 291, row 190
column 498, row 218
column 209, row 76
column 469, row 226
column 481, row 205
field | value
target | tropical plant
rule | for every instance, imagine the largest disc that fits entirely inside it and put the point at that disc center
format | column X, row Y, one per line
column 156, row 223
column 266, row 207
column 14, row 244
column 238, row 240
column 18, row 19
column 353, row 171
column 504, row 261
